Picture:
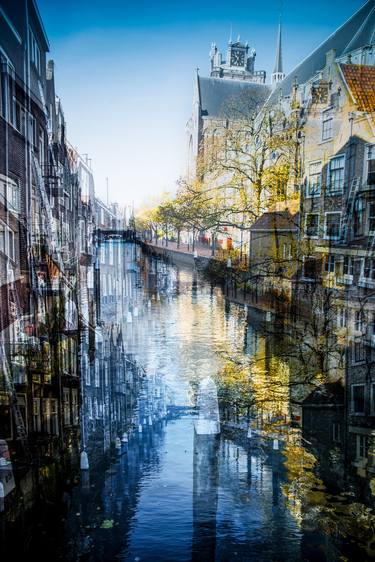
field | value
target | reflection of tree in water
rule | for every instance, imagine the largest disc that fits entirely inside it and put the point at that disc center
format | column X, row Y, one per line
column 350, row 524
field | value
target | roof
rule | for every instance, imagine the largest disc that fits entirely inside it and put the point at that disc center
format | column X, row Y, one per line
column 356, row 32
column 361, row 83
column 276, row 220
column 327, row 394
column 215, row 94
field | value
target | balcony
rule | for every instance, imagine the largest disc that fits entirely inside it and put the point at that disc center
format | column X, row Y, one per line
column 345, row 280
column 366, row 283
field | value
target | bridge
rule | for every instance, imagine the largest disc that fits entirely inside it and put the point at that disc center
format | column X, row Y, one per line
column 125, row 235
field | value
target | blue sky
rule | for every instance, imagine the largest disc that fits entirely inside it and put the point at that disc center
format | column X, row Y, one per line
column 125, row 70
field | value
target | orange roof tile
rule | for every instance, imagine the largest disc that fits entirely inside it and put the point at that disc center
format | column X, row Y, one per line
column 361, row 82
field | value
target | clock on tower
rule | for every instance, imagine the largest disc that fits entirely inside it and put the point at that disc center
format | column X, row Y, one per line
column 237, row 57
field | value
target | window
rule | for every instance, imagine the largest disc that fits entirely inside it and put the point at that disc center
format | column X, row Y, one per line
column 358, row 217
column 34, row 52
column 11, row 252
column 75, row 406
column 370, row 165
column 358, row 353
column 348, row 266
column 19, row 117
column 46, row 415
column 66, row 405
column 37, row 422
column 7, row 241
column 314, row 179
column 369, row 268
column 89, row 407
column 329, row 263
column 310, row 268
column 327, row 125
column 287, row 251
column 336, row 174
column 312, row 224
column 373, row 398
column 342, row 317
column 371, row 324
column 2, row 238
column 102, row 254
column 41, row 148
column 371, row 218
column 32, row 130
column 332, row 225
column 359, row 320
column 336, row 437
column 358, row 398
column 361, row 446
column 97, row 379
column 54, row 417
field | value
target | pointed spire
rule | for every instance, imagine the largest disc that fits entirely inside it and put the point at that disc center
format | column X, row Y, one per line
column 279, row 56
column 278, row 73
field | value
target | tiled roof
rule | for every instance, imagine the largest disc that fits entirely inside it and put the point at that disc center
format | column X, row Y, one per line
column 361, row 83
column 358, row 31
column 276, row 220
column 216, row 94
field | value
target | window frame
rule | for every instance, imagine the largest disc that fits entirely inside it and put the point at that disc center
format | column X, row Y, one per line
column 336, row 432
column 370, row 148
column 335, row 191
column 353, row 411
column 327, row 118
column 330, row 263
column 349, row 266
column 371, row 269
column 312, row 236
column 326, row 236
column 317, row 192
column 361, row 447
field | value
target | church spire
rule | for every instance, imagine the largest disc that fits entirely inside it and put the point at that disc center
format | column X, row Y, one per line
column 278, row 74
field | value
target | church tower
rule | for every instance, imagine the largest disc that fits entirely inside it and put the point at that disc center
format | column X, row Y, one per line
column 239, row 63
column 278, row 74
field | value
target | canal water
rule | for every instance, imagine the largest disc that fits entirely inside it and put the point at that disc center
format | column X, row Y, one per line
column 172, row 495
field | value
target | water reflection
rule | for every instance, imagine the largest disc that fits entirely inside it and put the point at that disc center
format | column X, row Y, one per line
column 281, row 491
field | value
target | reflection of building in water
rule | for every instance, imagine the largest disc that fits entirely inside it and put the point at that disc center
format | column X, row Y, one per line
column 205, row 497
column 208, row 422
column 152, row 400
